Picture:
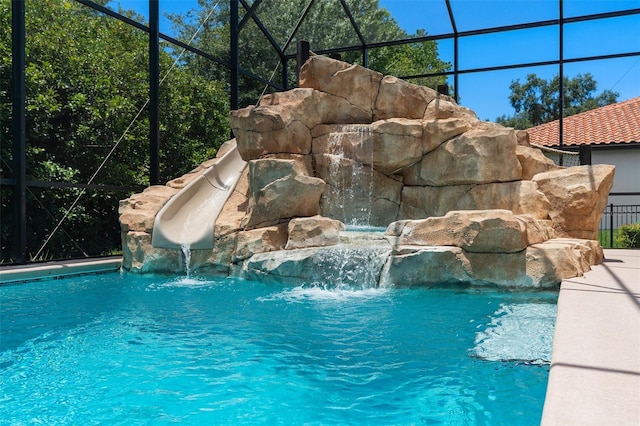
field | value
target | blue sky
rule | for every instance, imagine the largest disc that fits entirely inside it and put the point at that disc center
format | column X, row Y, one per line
column 487, row 93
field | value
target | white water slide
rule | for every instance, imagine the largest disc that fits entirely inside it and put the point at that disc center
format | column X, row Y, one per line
column 188, row 218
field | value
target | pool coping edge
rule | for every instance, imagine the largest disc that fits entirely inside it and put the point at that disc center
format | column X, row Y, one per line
column 594, row 377
column 16, row 274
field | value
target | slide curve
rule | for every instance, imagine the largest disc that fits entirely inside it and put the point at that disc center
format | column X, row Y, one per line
column 187, row 219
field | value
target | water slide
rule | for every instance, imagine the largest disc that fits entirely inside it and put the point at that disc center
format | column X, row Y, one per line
column 187, row 219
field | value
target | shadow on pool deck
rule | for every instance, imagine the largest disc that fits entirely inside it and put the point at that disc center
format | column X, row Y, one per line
column 595, row 366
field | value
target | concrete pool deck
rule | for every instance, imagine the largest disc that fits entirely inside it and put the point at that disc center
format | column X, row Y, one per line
column 595, row 366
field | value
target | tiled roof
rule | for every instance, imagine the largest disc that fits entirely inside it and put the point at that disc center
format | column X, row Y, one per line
column 617, row 123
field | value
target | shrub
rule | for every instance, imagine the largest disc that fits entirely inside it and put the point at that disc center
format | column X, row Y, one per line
column 628, row 236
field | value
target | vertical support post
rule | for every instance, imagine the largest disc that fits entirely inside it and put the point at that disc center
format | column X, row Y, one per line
column 154, row 92
column 285, row 72
column 302, row 54
column 561, row 77
column 18, row 124
column 585, row 155
column 611, row 225
column 365, row 57
column 234, row 60
column 455, row 51
column 456, row 92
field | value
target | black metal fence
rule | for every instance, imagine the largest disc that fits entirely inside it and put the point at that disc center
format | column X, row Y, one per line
column 613, row 218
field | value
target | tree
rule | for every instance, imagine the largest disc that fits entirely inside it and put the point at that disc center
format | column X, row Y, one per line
column 536, row 101
column 325, row 26
column 87, row 78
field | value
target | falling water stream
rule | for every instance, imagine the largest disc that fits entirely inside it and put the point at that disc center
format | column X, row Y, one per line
column 186, row 253
column 351, row 179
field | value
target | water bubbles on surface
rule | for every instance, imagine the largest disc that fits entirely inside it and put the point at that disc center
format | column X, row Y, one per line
column 324, row 293
column 190, row 282
column 518, row 332
column 184, row 282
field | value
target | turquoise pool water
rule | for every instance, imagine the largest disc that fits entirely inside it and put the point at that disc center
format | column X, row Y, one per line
column 111, row 349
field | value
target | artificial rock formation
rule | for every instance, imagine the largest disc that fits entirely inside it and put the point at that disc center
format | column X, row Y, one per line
column 316, row 231
column 280, row 189
column 476, row 231
column 577, row 198
column 462, row 201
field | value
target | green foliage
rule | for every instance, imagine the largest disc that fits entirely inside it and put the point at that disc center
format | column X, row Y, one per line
column 536, row 101
column 325, row 26
column 628, row 236
column 86, row 79
column 607, row 239
column 411, row 59
column 517, row 121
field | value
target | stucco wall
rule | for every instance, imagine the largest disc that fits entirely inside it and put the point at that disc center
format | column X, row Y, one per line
column 627, row 179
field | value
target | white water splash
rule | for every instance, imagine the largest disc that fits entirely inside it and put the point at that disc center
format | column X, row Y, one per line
column 186, row 282
column 352, row 266
column 343, row 272
column 319, row 293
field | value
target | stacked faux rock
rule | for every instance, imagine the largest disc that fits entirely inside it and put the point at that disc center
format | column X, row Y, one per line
column 465, row 201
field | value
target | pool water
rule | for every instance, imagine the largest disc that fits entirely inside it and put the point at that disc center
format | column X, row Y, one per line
column 124, row 349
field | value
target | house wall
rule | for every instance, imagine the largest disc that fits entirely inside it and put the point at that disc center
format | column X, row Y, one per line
column 627, row 178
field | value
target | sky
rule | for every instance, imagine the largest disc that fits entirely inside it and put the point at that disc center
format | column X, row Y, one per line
column 487, row 93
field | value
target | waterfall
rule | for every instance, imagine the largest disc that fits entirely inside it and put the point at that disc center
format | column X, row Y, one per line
column 348, row 270
column 349, row 155
column 355, row 263
column 352, row 267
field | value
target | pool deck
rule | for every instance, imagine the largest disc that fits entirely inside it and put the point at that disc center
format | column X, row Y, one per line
column 13, row 274
column 595, row 365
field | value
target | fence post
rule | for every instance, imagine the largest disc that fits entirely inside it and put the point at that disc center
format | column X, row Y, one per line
column 585, row 155
column 234, row 58
column 18, row 125
column 154, row 91
column 302, row 54
column 611, row 225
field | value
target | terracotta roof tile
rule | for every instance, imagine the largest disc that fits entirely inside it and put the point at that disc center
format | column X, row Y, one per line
column 617, row 123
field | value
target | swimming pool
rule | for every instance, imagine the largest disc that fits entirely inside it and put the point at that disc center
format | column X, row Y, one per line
column 127, row 349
